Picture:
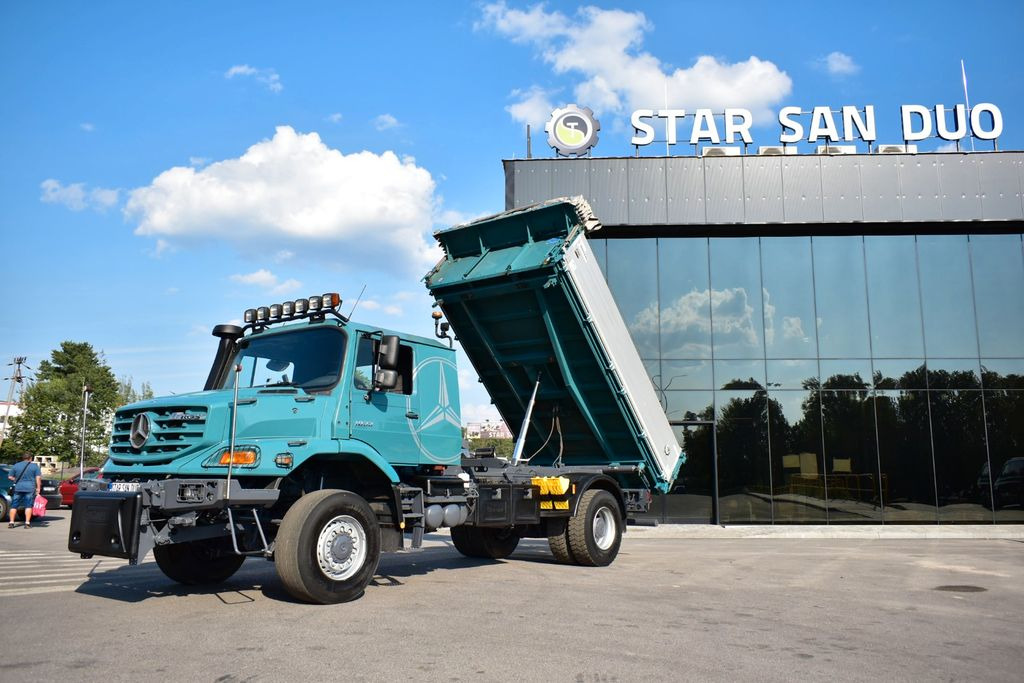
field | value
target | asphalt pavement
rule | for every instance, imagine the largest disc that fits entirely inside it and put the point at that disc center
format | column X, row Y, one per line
column 677, row 604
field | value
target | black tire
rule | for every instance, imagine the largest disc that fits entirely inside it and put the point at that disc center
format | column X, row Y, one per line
column 485, row 542
column 339, row 571
column 199, row 562
column 5, row 509
column 595, row 531
column 558, row 541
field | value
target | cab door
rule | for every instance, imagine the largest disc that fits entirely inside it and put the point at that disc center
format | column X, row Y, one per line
column 384, row 419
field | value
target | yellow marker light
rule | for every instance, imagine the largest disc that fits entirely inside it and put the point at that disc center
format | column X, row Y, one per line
column 330, row 300
column 283, row 460
column 238, row 458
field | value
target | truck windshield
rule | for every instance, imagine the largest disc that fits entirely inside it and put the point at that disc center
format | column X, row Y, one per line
column 310, row 359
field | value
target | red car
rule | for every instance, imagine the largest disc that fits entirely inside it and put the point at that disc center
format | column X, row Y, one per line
column 69, row 487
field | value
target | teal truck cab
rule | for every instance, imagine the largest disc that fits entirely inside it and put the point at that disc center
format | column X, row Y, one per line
column 319, row 442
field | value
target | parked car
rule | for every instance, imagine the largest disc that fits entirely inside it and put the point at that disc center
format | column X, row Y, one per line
column 5, row 491
column 49, row 491
column 69, row 487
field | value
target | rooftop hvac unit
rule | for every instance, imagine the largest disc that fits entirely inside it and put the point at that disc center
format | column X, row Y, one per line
column 775, row 150
column 897, row 149
column 836, row 149
column 720, row 152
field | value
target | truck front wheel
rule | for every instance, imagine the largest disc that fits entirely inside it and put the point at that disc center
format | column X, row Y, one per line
column 328, row 547
column 485, row 542
column 595, row 531
column 197, row 563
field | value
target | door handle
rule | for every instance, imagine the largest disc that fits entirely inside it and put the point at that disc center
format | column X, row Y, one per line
column 412, row 416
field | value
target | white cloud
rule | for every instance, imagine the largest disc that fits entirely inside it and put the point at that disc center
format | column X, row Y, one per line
column 87, row 127
column 604, row 47
column 294, row 194
column 685, row 323
column 534, row 106
column 198, row 161
column 839, row 64
column 386, row 121
column 77, row 196
column 793, row 328
column 336, row 117
column 267, row 77
column 265, row 279
column 947, row 147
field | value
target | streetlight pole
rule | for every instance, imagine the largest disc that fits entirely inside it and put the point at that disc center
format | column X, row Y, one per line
column 85, row 411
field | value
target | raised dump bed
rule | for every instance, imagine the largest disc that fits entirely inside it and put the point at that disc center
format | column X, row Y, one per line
column 526, row 299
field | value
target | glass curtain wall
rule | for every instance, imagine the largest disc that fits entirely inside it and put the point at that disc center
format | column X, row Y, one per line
column 836, row 379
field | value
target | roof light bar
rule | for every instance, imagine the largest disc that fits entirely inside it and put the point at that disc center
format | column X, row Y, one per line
column 288, row 310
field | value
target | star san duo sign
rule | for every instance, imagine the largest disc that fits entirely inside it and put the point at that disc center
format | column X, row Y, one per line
column 572, row 130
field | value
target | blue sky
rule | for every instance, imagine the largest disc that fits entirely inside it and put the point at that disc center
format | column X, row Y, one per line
column 166, row 167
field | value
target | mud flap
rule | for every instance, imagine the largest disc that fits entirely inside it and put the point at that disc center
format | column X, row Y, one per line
column 106, row 523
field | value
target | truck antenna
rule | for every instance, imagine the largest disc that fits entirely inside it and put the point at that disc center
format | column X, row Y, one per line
column 357, row 302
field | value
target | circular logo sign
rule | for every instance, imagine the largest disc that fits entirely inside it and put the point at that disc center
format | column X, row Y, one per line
column 140, row 430
column 572, row 131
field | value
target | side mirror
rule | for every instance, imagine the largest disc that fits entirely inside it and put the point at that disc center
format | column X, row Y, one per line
column 385, row 379
column 387, row 353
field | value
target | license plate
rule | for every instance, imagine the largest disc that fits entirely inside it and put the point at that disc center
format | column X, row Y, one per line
column 49, row 489
column 125, row 486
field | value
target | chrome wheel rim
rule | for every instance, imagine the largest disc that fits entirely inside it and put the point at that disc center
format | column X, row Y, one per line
column 341, row 548
column 604, row 528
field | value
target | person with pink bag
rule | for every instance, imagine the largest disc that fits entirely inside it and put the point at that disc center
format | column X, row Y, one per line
column 28, row 481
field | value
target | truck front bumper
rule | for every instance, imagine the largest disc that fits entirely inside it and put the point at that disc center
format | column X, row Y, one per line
column 127, row 524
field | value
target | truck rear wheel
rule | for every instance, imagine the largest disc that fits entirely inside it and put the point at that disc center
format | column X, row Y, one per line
column 328, row 547
column 558, row 541
column 595, row 531
column 485, row 542
column 197, row 563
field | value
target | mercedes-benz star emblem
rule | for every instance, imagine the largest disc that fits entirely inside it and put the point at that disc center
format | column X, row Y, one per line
column 139, row 433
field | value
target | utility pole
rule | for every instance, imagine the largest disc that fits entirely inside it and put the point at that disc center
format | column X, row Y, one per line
column 16, row 379
column 85, row 412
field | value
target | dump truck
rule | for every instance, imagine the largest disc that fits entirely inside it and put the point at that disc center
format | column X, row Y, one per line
column 319, row 442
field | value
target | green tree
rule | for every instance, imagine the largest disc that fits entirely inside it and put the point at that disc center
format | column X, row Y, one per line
column 51, row 421
column 126, row 392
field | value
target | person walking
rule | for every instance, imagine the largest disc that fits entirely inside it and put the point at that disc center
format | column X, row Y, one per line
column 27, row 483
